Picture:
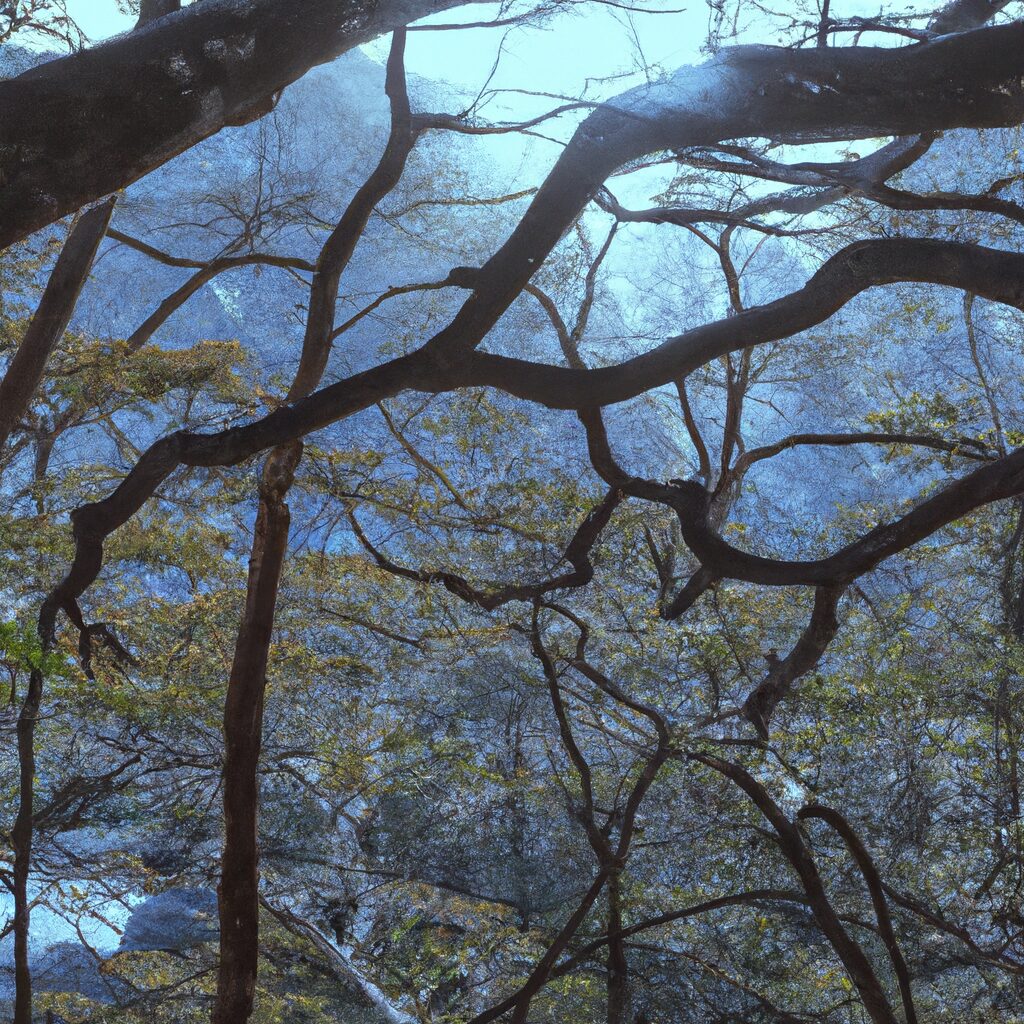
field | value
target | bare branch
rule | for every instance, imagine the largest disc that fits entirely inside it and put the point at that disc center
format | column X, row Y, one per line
column 50, row 321
column 874, row 883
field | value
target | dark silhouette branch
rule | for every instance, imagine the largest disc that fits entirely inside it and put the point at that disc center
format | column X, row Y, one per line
column 72, row 132
column 173, row 302
column 582, row 954
column 873, row 881
column 796, row 851
column 51, row 318
column 805, row 655
column 966, row 448
column 991, row 273
column 577, row 554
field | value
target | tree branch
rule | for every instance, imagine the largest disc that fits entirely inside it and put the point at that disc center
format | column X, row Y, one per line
column 873, row 881
column 72, row 132
column 51, row 318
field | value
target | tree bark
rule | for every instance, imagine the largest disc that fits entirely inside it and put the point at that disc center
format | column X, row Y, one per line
column 91, row 123
column 51, row 318
column 238, row 891
column 617, row 965
column 21, row 833
column 238, row 894
column 150, row 10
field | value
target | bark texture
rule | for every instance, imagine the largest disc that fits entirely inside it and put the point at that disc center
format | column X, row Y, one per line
column 238, row 892
column 25, row 370
column 78, row 128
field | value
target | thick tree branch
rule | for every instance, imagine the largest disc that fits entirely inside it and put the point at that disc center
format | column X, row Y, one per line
column 783, row 673
column 72, row 131
column 1002, row 478
column 959, row 15
column 51, row 318
column 760, row 92
column 992, row 273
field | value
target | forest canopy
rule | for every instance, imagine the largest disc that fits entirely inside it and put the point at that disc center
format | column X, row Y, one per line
column 511, row 512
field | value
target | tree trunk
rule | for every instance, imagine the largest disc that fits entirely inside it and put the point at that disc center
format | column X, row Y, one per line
column 618, row 967
column 238, row 892
column 238, row 896
column 21, row 833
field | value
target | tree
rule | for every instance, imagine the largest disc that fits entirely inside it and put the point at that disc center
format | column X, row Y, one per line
column 229, row 63
column 584, row 572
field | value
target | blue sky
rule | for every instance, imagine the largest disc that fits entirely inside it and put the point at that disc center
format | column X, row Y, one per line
column 592, row 41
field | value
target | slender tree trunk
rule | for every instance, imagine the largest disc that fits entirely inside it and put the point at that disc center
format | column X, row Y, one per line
column 238, row 895
column 238, row 891
column 21, row 840
column 21, row 833
column 618, row 967
column 19, row 384
column 72, row 131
